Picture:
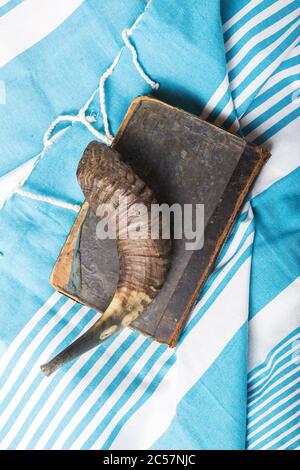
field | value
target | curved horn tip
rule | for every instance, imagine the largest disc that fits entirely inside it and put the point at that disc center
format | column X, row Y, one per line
column 48, row 369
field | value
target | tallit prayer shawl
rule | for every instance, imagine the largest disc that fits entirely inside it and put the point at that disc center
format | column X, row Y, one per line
column 69, row 71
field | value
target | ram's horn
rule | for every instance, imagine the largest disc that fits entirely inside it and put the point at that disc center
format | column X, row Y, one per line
column 105, row 178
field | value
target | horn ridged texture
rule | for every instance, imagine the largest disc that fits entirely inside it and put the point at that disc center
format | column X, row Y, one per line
column 105, row 178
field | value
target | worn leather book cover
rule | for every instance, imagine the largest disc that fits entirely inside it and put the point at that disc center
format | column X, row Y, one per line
column 184, row 160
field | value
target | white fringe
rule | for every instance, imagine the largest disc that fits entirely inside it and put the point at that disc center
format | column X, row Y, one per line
column 51, row 136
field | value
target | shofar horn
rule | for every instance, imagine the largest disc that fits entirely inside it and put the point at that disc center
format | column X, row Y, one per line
column 105, row 178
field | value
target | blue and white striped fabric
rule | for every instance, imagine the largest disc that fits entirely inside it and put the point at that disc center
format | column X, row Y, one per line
column 233, row 381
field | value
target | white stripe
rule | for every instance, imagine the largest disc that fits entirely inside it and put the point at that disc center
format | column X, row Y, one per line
column 221, row 276
column 92, row 398
column 49, row 200
column 235, row 126
column 273, row 323
column 206, row 341
column 94, row 423
column 84, row 384
column 13, row 179
column 57, row 419
column 243, row 96
column 270, row 410
column 282, row 435
column 240, row 14
column 259, row 37
column 216, row 97
column 257, row 19
column 3, row 2
column 285, row 142
column 270, row 376
column 34, row 20
column 289, row 443
column 273, row 430
column 208, row 293
column 295, row 52
column 31, row 348
column 274, row 385
column 262, row 77
column 35, row 371
column 267, row 423
column 238, row 236
column 260, row 57
column 274, row 119
column 272, row 397
column 133, row 399
column 228, row 109
column 16, row 343
column 267, row 104
column 265, row 378
column 62, row 387
column 278, row 77
column 224, row 114
column 30, row 404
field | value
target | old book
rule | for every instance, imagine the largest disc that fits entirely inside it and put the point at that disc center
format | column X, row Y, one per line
column 184, row 160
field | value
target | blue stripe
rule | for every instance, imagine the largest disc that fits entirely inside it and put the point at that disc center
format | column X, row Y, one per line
column 258, row 28
column 52, row 90
column 271, row 359
column 284, row 396
column 289, row 62
column 241, row 260
column 271, row 377
column 221, row 105
column 25, row 225
column 278, row 126
column 230, row 8
column 269, row 428
column 275, row 265
column 288, row 366
column 264, row 231
column 262, row 118
column 10, row 5
column 80, row 376
column 187, row 330
column 265, row 419
column 260, row 68
column 290, row 436
column 222, row 285
column 230, row 120
column 27, row 340
column 270, row 394
column 294, row 446
column 270, row 92
column 104, row 394
column 194, row 424
column 285, row 427
column 123, row 399
column 35, row 360
column 148, row 392
column 245, row 256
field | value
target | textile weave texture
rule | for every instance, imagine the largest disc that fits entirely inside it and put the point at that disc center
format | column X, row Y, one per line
column 233, row 381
